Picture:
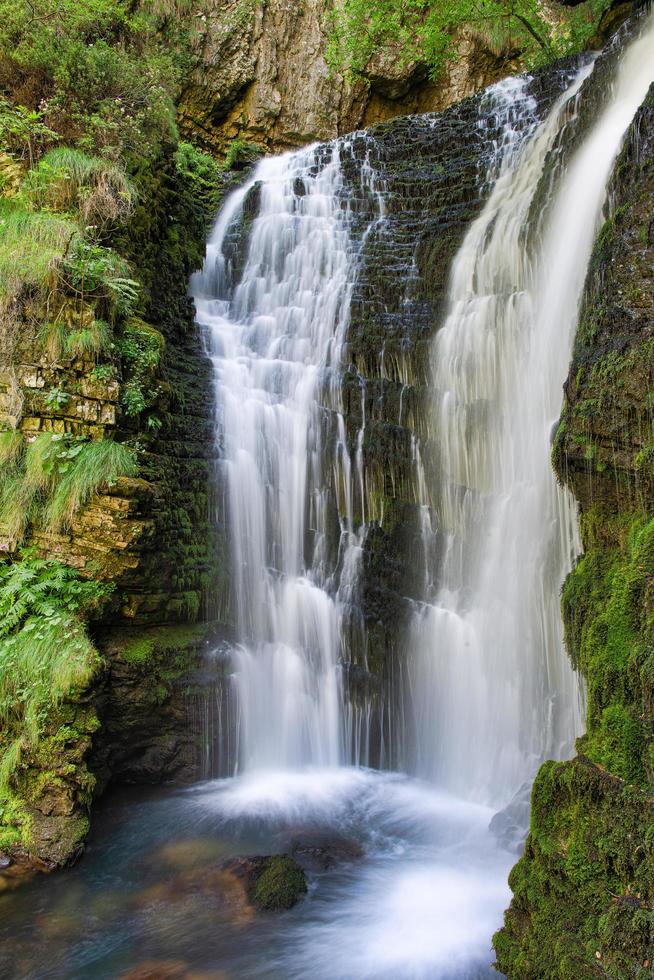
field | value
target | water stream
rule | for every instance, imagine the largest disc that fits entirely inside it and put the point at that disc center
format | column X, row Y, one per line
column 422, row 884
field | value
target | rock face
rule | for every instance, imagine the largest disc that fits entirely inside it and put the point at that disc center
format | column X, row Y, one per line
column 261, row 75
column 584, row 889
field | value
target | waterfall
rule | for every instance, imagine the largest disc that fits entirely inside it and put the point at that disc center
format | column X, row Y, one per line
column 494, row 690
column 491, row 689
column 275, row 334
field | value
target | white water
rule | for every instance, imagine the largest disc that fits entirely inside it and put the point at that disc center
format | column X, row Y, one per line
column 492, row 687
column 495, row 690
column 276, row 338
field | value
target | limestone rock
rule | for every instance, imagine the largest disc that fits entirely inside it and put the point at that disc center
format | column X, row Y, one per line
column 261, row 75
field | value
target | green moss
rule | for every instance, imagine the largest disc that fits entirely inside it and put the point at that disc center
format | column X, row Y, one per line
column 139, row 650
column 281, row 885
column 584, row 878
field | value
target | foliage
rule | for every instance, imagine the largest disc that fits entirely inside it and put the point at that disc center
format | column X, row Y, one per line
column 242, row 153
column 100, row 75
column 426, row 30
column 23, row 132
column 45, row 652
column 202, row 172
column 98, row 275
column 96, row 465
column 141, row 348
column 55, row 477
column 70, row 335
column 11, row 447
column 66, row 179
column 32, row 247
column 35, row 586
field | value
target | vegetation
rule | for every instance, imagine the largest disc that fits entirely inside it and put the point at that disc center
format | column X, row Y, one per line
column 100, row 203
column 95, row 71
column 141, row 348
column 51, row 478
column 45, row 656
column 426, row 31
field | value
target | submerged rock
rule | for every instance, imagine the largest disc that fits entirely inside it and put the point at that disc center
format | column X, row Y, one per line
column 238, row 887
column 325, row 851
column 272, row 883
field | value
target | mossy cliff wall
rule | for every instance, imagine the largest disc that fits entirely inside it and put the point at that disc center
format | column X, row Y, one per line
column 154, row 537
column 583, row 903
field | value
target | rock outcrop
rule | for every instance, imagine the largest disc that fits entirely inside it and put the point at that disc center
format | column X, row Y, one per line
column 261, row 74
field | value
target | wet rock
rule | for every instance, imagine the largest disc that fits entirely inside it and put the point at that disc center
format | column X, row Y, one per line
column 187, row 854
column 237, row 887
column 171, row 970
column 272, row 883
column 158, row 970
column 325, row 851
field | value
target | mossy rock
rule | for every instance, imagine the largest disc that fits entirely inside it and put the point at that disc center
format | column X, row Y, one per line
column 280, row 884
column 272, row 883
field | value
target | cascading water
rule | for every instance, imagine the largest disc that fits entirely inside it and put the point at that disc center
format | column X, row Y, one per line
column 276, row 338
column 496, row 693
column 419, row 885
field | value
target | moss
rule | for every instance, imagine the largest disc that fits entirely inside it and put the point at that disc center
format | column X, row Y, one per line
column 139, row 650
column 280, row 886
column 584, row 878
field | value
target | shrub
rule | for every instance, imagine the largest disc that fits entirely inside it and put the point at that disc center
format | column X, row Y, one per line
column 98, row 71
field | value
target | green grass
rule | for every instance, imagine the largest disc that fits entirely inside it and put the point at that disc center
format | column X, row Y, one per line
column 24, row 483
column 32, row 246
column 12, row 444
column 69, row 180
column 98, row 464
column 55, row 477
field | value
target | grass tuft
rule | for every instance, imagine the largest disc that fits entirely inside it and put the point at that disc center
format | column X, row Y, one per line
column 98, row 464
column 32, row 247
column 68, row 180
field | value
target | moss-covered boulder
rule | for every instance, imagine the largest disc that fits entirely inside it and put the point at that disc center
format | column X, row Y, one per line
column 272, row 883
